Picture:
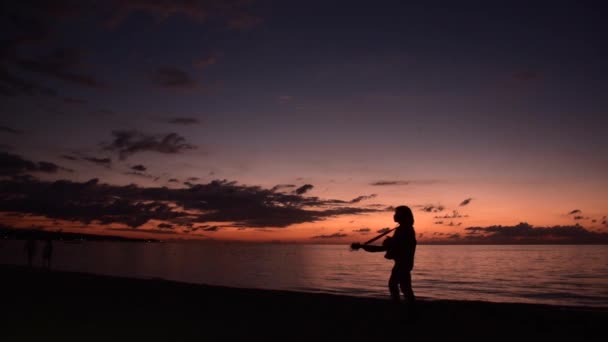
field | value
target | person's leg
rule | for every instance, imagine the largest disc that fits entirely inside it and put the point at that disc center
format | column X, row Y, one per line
column 406, row 287
column 393, row 284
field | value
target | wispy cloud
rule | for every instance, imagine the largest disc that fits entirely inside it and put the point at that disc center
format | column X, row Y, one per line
column 387, row 182
column 105, row 162
column 525, row 233
column 202, row 63
column 74, row 101
column 14, row 165
column 526, row 75
column 210, row 228
column 429, row 208
column 129, row 142
column 10, row 130
column 142, row 230
column 303, row 189
column 404, row 182
column 330, row 236
column 362, row 198
column 465, row 202
column 61, row 64
column 232, row 14
column 183, row 121
column 453, row 215
column 171, row 77
column 282, row 186
column 362, row 230
column 13, row 85
column 138, row 167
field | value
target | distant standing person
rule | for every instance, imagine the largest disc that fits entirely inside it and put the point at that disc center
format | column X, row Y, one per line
column 47, row 254
column 30, row 250
column 401, row 248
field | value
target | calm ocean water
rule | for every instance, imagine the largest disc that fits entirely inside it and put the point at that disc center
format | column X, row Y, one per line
column 560, row 275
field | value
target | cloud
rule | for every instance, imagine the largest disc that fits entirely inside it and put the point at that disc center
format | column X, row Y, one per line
column 526, row 75
column 12, row 85
column 432, row 208
column 184, row 121
column 106, row 162
column 61, row 64
column 525, row 233
column 232, row 14
column 173, row 180
column 385, row 183
column 68, row 157
column 331, row 236
column 243, row 21
column 282, row 186
column 74, row 101
column 14, row 165
column 6, row 129
column 383, row 230
column 361, row 198
column 453, row 215
column 574, row 212
column 141, row 230
column 285, row 98
column 202, row 63
column 193, row 179
column 165, row 226
column 171, row 77
column 402, row 182
column 438, row 222
column 362, row 230
column 211, row 229
column 579, row 217
column 139, row 174
column 465, row 202
column 138, row 167
column 303, row 189
column 238, row 206
column 129, row 142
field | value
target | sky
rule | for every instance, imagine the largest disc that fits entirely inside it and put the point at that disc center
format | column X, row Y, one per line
column 305, row 121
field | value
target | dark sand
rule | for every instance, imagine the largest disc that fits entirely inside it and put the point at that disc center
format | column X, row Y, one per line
column 58, row 306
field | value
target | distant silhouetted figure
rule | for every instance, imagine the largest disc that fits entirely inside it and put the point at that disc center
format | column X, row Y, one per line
column 30, row 250
column 401, row 248
column 47, row 254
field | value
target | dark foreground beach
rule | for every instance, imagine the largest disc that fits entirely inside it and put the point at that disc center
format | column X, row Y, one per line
column 38, row 305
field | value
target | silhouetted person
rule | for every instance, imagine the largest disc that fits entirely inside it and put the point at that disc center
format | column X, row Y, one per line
column 47, row 254
column 30, row 250
column 401, row 248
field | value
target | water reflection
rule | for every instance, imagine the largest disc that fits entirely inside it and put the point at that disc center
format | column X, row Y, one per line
column 566, row 275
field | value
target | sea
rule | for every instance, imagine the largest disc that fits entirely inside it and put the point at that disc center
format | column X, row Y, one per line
column 564, row 275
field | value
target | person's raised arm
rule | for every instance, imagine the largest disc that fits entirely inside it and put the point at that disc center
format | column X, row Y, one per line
column 373, row 249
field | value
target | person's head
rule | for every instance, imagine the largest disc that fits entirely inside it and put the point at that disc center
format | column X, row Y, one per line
column 403, row 215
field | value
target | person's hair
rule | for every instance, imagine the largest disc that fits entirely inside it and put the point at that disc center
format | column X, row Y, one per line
column 404, row 215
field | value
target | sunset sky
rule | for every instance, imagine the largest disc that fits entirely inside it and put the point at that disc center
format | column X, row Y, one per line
column 304, row 121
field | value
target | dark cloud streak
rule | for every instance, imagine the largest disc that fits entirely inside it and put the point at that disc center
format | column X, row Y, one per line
column 218, row 201
column 171, row 77
column 129, row 142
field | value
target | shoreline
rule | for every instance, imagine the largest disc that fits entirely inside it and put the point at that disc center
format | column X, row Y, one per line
column 72, row 305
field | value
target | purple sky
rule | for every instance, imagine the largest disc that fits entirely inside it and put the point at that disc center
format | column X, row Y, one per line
column 504, row 105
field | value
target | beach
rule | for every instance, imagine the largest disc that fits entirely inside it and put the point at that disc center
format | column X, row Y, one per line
column 51, row 305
